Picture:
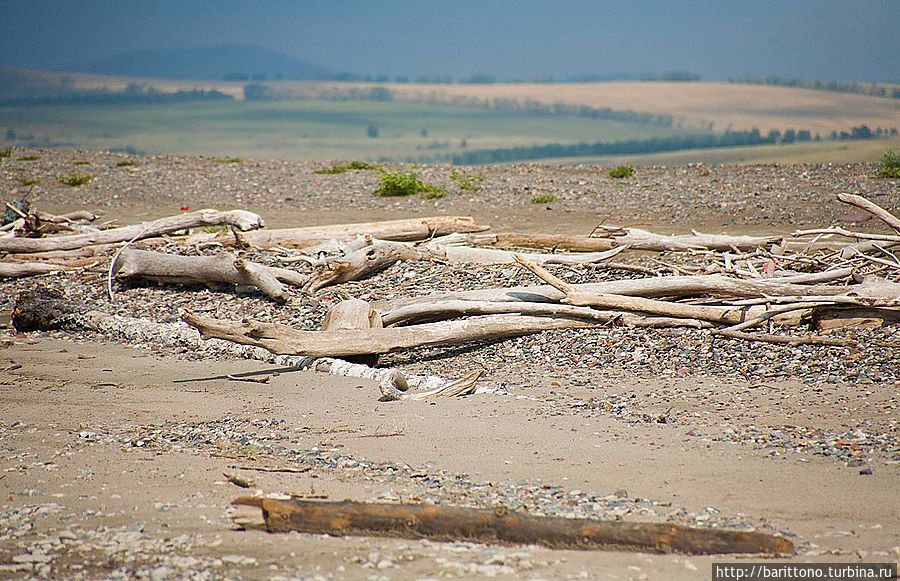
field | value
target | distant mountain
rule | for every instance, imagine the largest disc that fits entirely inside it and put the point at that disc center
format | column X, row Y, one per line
column 232, row 62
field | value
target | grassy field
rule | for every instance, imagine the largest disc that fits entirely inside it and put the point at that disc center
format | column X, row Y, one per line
column 306, row 129
column 824, row 152
column 698, row 105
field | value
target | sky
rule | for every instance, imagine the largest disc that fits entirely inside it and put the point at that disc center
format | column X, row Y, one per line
column 845, row 40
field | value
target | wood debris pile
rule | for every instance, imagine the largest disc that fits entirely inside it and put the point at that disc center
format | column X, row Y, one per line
column 765, row 288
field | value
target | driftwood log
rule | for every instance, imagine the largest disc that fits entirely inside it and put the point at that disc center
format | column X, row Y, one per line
column 362, row 263
column 20, row 269
column 222, row 268
column 447, row 523
column 240, row 219
column 394, row 230
column 285, row 340
column 643, row 240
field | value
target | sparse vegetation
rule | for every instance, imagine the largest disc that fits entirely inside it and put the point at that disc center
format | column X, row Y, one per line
column 543, row 198
column 889, row 165
column 352, row 166
column 28, row 158
column 5, row 152
column 127, row 163
column 29, row 181
column 467, row 182
column 621, row 172
column 228, row 160
column 406, row 184
column 76, row 179
column 82, row 163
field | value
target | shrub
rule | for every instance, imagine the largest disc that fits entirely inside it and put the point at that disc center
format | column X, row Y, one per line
column 76, row 179
column 127, row 163
column 81, row 163
column 5, row 152
column 543, row 198
column 352, row 166
column 29, row 181
column 467, row 182
column 889, row 165
column 228, row 160
column 28, row 158
column 621, row 172
column 406, row 184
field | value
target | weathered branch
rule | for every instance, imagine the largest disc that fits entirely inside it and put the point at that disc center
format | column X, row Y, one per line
column 873, row 208
column 362, row 263
column 240, row 219
column 448, row 523
column 394, row 230
column 21, row 269
column 285, row 340
column 222, row 268
column 643, row 240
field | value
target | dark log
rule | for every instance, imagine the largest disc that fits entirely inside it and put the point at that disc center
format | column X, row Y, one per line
column 42, row 309
column 443, row 523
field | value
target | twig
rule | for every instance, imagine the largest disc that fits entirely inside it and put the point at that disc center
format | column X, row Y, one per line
column 249, row 379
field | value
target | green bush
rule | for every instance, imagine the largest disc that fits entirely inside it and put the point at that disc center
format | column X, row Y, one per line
column 127, row 163
column 76, row 179
column 5, row 152
column 352, row 166
column 543, row 198
column 29, row 181
column 82, row 163
column 467, row 182
column 889, row 165
column 406, row 184
column 621, row 172
column 228, row 160
column 28, row 158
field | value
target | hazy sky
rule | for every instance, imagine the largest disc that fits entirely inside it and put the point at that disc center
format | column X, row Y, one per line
column 826, row 39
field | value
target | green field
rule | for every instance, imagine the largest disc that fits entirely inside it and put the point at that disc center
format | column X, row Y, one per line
column 305, row 129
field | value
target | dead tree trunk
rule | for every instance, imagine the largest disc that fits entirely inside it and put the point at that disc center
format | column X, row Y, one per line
column 643, row 240
column 240, row 219
column 284, row 340
column 362, row 263
column 396, row 230
column 448, row 523
column 20, row 269
column 223, row 268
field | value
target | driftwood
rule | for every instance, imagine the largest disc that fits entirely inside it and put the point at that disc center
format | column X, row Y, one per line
column 362, row 263
column 872, row 208
column 20, row 269
column 394, row 230
column 447, row 523
column 285, row 340
column 240, row 219
column 222, row 268
column 643, row 240
column 440, row 310
column 662, row 286
column 450, row 249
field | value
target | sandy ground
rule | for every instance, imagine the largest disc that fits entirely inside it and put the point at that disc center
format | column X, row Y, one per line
column 112, row 458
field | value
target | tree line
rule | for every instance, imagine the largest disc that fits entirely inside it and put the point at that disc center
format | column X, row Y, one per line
column 652, row 145
column 870, row 89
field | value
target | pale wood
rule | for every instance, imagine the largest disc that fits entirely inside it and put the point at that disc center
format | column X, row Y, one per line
column 643, row 240
column 826, row 319
column 240, row 219
column 450, row 523
column 786, row 339
column 351, row 314
column 394, row 230
column 284, row 340
column 76, row 216
column 22, row 269
column 441, row 310
column 872, row 208
column 662, row 286
column 221, row 268
column 362, row 263
column 449, row 249
column 573, row 296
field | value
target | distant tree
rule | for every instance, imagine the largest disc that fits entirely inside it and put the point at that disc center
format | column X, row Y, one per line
column 804, row 135
column 789, row 136
column 372, row 131
column 380, row 94
column 257, row 92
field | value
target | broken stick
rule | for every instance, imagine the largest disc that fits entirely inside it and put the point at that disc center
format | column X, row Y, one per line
column 443, row 523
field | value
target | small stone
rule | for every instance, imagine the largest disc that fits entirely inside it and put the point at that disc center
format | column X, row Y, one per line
column 865, row 471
